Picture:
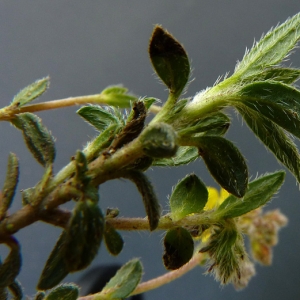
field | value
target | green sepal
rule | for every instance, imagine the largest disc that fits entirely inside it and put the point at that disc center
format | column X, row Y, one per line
column 16, row 290
column 283, row 75
column 169, row 60
column 271, row 49
column 159, row 141
column 98, row 117
column 10, row 184
column 55, row 269
column 215, row 124
column 184, row 155
column 274, row 138
column 276, row 101
column 113, row 240
column 118, row 96
column 11, row 266
column 151, row 203
column 64, row 292
column 84, row 235
column 189, row 196
column 38, row 139
column 225, row 163
column 179, row 248
column 258, row 193
column 124, row 282
column 31, row 92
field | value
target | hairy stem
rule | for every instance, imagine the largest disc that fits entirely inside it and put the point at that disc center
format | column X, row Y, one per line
column 8, row 113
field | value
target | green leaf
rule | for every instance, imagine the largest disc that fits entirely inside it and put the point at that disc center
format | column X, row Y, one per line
column 271, row 49
column 189, row 196
column 276, row 101
column 98, row 117
column 39, row 296
column 183, row 156
column 179, row 248
column 11, row 266
column 118, row 96
column 215, row 124
column 283, row 75
column 31, row 92
column 125, row 281
column 84, row 235
column 38, row 139
column 55, row 269
column 3, row 294
column 159, row 140
column 225, row 163
column 64, row 292
column 274, row 138
column 113, row 240
column 10, row 184
column 258, row 193
column 169, row 60
column 148, row 101
column 150, row 200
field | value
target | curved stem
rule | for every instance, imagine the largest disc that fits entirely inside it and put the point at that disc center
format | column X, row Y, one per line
column 8, row 113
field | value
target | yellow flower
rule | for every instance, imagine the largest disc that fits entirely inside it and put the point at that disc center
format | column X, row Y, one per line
column 215, row 199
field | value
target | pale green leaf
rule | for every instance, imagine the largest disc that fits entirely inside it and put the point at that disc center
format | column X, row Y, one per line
column 271, row 49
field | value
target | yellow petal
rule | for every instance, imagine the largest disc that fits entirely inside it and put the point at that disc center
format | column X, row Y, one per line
column 213, row 198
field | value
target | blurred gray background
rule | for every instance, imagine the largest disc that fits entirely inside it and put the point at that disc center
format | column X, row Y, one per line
column 87, row 45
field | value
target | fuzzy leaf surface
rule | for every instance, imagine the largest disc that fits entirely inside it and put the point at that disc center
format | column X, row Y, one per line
column 125, row 281
column 64, row 292
column 274, row 138
column 189, row 196
column 38, row 139
column 179, row 248
column 98, row 117
column 84, row 235
column 183, row 156
column 31, row 92
column 259, row 192
column 225, row 163
column 271, row 49
column 10, row 184
column 276, row 101
column 169, row 60
column 113, row 240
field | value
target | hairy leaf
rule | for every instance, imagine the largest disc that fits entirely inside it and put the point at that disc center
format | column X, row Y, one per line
column 98, row 117
column 150, row 200
column 84, row 235
column 284, row 75
column 10, row 184
column 179, row 248
column 183, row 156
column 31, row 92
column 64, row 292
column 271, row 49
column 276, row 101
column 189, row 196
column 55, row 269
column 125, row 280
column 274, row 138
column 258, row 193
column 11, row 266
column 38, row 139
column 169, row 60
column 225, row 163
column 113, row 240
